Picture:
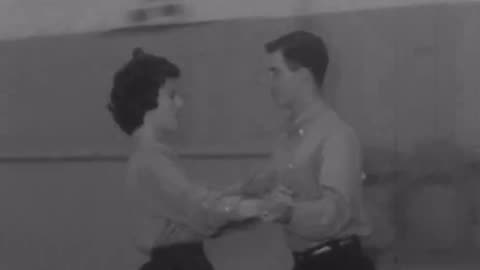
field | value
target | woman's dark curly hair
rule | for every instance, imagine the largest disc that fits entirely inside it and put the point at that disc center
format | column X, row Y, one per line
column 135, row 88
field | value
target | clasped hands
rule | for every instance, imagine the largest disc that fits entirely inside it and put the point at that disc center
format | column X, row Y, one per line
column 276, row 206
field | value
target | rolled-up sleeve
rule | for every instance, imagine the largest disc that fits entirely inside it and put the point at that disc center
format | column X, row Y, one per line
column 339, row 175
column 193, row 205
column 262, row 183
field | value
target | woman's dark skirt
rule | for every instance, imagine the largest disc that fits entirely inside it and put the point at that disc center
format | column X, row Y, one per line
column 189, row 256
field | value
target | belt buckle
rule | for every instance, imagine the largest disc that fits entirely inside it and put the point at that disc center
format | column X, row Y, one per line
column 345, row 242
column 321, row 250
column 330, row 246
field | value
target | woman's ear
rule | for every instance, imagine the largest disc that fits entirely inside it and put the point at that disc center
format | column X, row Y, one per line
column 147, row 118
column 137, row 52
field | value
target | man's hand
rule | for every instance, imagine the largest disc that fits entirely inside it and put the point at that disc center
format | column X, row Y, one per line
column 233, row 190
column 281, row 194
column 277, row 206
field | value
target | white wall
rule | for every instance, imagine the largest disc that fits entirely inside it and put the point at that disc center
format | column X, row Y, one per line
column 19, row 19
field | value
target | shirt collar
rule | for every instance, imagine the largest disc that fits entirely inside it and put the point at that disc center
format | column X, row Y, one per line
column 314, row 112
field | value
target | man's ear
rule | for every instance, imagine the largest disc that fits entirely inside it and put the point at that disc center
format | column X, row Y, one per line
column 303, row 74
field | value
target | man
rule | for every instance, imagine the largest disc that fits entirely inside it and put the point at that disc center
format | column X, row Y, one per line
column 318, row 161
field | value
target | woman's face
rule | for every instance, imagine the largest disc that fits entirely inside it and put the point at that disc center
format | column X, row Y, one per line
column 164, row 117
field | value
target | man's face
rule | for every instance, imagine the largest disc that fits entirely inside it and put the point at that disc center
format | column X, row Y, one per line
column 284, row 82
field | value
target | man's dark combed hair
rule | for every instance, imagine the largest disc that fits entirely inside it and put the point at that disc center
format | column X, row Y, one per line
column 302, row 49
column 135, row 88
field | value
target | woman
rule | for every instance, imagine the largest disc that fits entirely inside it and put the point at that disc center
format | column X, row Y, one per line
column 175, row 213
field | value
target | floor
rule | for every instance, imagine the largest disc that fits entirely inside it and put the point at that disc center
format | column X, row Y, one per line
column 410, row 260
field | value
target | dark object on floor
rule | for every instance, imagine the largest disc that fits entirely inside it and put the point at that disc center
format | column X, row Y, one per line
column 188, row 256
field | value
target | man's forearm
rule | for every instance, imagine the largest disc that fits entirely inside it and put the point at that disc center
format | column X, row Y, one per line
column 255, row 187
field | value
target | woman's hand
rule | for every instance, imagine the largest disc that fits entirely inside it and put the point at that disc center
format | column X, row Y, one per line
column 275, row 207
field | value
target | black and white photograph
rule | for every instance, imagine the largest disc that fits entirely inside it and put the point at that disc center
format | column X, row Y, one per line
column 239, row 134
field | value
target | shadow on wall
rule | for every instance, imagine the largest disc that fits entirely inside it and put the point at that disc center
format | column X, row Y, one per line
column 428, row 203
